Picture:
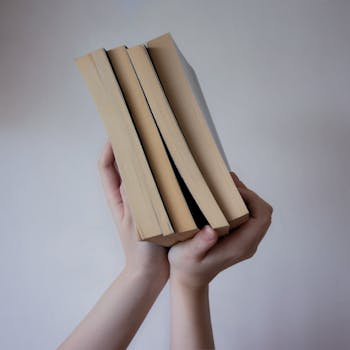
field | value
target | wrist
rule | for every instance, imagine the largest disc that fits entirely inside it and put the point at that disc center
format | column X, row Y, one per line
column 190, row 315
column 148, row 274
column 188, row 284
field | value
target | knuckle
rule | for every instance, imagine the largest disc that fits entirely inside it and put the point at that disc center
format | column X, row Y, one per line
column 269, row 220
column 266, row 220
column 246, row 254
column 250, row 252
column 232, row 259
column 270, row 209
column 240, row 255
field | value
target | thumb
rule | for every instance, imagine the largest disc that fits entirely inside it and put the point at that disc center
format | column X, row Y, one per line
column 199, row 245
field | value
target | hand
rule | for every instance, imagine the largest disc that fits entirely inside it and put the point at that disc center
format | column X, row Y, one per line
column 145, row 256
column 194, row 263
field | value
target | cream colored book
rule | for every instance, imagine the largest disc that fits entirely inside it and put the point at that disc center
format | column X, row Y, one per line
column 175, row 141
column 184, row 95
column 169, row 188
column 148, row 210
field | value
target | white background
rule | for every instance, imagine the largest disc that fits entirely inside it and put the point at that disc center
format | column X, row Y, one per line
column 276, row 77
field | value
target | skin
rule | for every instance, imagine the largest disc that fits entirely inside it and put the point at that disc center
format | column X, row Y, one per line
column 192, row 264
column 116, row 317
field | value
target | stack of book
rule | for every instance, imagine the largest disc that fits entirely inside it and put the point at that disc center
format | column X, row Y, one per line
column 173, row 169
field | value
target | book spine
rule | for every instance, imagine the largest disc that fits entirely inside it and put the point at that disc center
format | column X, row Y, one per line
column 175, row 140
column 169, row 188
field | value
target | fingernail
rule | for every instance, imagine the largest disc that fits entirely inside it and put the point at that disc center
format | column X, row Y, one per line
column 208, row 233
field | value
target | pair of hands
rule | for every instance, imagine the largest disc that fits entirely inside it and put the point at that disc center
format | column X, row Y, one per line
column 192, row 263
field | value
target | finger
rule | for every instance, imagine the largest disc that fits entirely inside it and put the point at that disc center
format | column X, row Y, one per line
column 200, row 244
column 256, row 205
column 242, row 242
column 127, row 211
column 260, row 214
column 111, row 179
column 241, row 185
column 236, row 180
column 237, row 246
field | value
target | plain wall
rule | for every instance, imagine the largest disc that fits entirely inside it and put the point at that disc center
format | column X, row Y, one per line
column 276, row 78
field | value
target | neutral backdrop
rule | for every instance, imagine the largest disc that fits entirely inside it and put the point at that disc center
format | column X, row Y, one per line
column 276, row 77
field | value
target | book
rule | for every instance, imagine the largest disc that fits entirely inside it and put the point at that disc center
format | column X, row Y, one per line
column 175, row 141
column 154, row 149
column 152, row 221
column 173, row 168
column 186, row 100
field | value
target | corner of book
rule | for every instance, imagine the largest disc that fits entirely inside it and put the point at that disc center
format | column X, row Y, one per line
column 223, row 230
column 183, row 236
column 81, row 60
column 239, row 221
column 165, row 241
column 165, row 36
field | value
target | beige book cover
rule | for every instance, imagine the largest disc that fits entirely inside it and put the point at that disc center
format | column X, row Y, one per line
column 184, row 95
column 169, row 188
column 144, row 200
column 175, row 141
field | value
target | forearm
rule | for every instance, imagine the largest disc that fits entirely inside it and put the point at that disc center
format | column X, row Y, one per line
column 190, row 317
column 116, row 317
